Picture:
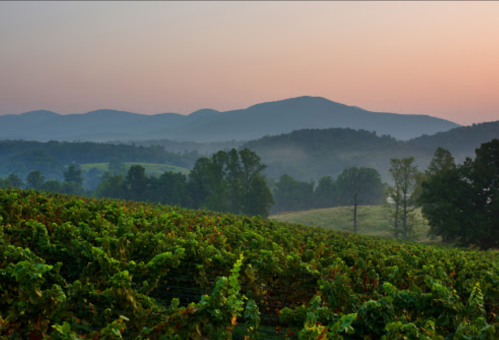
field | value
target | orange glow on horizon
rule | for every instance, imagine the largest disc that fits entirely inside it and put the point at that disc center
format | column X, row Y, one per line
column 434, row 58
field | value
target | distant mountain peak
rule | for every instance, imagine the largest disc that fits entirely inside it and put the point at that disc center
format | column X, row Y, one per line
column 203, row 112
column 108, row 112
column 270, row 118
column 299, row 101
column 39, row 113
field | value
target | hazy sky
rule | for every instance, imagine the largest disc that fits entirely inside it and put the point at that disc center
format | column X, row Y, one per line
column 436, row 58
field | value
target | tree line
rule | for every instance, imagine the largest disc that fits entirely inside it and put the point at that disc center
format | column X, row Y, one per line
column 353, row 186
column 21, row 157
column 460, row 202
column 228, row 181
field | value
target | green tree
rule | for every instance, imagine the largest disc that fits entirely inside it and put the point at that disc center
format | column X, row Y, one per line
column 230, row 182
column 293, row 195
column 359, row 186
column 217, row 186
column 111, row 186
column 136, row 183
column 256, row 195
column 234, row 179
column 325, row 194
column 259, row 198
column 405, row 178
column 199, row 186
column 13, row 181
column 169, row 188
column 51, row 186
column 442, row 160
column 35, row 180
column 73, row 175
column 73, row 181
column 463, row 202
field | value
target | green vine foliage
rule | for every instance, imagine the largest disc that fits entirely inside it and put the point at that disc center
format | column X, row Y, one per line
column 79, row 268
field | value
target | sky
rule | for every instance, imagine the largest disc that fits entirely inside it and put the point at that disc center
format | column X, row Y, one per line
column 432, row 58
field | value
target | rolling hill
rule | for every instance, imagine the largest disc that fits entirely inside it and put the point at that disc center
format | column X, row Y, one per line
column 461, row 141
column 314, row 153
column 208, row 125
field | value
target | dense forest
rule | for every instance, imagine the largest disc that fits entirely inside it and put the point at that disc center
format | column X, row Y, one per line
column 205, row 149
column 312, row 153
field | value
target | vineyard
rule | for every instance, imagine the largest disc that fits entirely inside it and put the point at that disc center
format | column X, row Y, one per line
column 73, row 267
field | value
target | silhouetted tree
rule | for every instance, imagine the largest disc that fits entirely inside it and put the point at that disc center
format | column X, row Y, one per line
column 136, row 184
column 51, row 186
column 35, row 180
column 13, row 181
column 325, row 194
column 463, row 202
column 405, row 177
column 73, row 174
column 359, row 186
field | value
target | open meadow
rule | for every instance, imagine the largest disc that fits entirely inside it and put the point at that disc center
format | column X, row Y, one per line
column 372, row 220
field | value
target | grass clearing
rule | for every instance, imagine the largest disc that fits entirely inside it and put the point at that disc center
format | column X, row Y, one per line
column 371, row 220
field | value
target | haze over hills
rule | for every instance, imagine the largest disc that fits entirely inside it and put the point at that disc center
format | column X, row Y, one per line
column 208, row 125
column 461, row 141
column 313, row 153
column 304, row 154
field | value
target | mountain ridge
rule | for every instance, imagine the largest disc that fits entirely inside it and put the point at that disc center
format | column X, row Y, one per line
column 208, row 125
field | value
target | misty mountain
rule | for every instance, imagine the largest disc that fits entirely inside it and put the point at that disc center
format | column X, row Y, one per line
column 208, row 125
column 461, row 141
column 314, row 153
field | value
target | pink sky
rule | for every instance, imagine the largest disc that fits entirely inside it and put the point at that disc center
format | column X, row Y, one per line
column 434, row 58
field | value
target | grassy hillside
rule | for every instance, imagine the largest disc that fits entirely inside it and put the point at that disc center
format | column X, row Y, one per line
column 73, row 267
column 151, row 169
column 372, row 220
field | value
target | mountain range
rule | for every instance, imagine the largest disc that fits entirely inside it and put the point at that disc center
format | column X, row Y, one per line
column 206, row 125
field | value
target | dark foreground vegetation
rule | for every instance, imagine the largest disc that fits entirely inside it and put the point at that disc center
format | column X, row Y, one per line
column 108, row 269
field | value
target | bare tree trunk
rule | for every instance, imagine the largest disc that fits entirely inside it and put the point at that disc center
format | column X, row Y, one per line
column 396, row 219
column 355, row 217
column 405, row 216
